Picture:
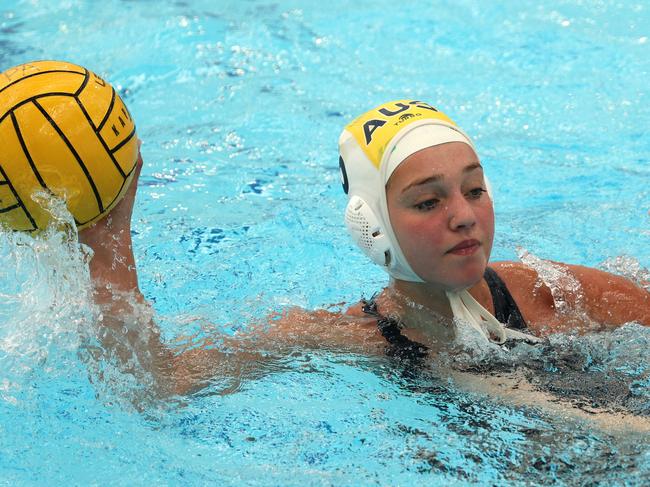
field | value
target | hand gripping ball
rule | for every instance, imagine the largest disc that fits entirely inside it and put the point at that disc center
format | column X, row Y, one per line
column 65, row 131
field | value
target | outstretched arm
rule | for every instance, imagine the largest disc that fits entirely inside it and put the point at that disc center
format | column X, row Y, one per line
column 126, row 325
column 112, row 267
column 129, row 329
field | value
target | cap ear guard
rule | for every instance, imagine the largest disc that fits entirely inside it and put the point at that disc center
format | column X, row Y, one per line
column 367, row 232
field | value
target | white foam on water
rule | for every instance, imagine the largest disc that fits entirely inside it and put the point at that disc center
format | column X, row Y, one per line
column 46, row 305
column 630, row 267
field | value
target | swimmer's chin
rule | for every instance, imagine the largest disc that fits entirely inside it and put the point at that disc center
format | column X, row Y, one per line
column 465, row 284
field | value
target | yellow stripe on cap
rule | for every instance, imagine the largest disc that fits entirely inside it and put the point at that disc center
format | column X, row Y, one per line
column 376, row 128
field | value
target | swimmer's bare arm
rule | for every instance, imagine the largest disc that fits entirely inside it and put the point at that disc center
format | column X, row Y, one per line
column 609, row 299
column 129, row 329
column 112, row 267
column 126, row 330
column 249, row 354
column 597, row 301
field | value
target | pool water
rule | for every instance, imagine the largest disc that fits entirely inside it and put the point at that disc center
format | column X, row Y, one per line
column 239, row 214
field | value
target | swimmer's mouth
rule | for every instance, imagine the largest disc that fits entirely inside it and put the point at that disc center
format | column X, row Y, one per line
column 466, row 247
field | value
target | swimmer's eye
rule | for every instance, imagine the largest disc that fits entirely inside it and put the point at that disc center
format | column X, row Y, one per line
column 427, row 205
column 476, row 193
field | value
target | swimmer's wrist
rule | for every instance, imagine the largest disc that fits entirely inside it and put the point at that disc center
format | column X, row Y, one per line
column 112, row 265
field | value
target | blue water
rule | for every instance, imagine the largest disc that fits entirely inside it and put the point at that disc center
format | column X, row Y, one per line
column 239, row 214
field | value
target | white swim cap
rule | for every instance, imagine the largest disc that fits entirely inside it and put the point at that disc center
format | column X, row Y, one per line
column 371, row 147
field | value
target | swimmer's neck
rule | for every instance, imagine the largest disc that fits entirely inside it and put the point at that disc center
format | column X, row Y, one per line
column 422, row 294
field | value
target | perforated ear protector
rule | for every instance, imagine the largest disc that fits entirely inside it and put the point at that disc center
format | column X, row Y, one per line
column 364, row 225
column 367, row 224
column 367, row 231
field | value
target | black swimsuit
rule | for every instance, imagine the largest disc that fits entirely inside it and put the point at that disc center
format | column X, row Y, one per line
column 505, row 310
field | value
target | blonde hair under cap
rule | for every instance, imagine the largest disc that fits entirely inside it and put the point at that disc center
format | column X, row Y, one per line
column 371, row 147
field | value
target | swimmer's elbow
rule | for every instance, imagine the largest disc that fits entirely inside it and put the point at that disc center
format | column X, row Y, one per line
column 191, row 371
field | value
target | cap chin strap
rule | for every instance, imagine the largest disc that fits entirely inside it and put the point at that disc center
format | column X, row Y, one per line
column 468, row 309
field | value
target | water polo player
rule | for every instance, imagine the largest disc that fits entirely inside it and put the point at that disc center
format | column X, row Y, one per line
column 420, row 207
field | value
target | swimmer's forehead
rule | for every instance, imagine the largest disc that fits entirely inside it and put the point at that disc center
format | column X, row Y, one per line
column 374, row 130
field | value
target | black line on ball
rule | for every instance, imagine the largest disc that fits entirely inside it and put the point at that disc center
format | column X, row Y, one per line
column 31, row 99
column 117, row 194
column 110, row 109
column 85, row 113
column 20, row 202
column 26, row 151
column 104, row 145
column 9, row 208
column 112, row 156
column 38, row 74
column 74, row 153
column 124, row 142
column 83, row 85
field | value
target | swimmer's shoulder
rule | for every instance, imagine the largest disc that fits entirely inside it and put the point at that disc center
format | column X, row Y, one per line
column 360, row 311
column 611, row 299
column 356, row 311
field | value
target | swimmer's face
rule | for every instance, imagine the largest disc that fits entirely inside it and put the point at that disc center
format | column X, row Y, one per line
column 441, row 215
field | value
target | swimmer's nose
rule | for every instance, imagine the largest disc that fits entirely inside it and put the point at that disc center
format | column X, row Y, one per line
column 461, row 214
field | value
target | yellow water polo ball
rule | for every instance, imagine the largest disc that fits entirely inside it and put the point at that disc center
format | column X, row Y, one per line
column 65, row 131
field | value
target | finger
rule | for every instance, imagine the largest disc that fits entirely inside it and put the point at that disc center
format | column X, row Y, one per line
column 139, row 163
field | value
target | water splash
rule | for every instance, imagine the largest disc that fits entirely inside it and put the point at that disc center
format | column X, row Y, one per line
column 608, row 370
column 45, row 300
column 629, row 267
column 565, row 288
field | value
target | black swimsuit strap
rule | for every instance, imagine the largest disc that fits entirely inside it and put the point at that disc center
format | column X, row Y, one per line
column 400, row 346
column 505, row 308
